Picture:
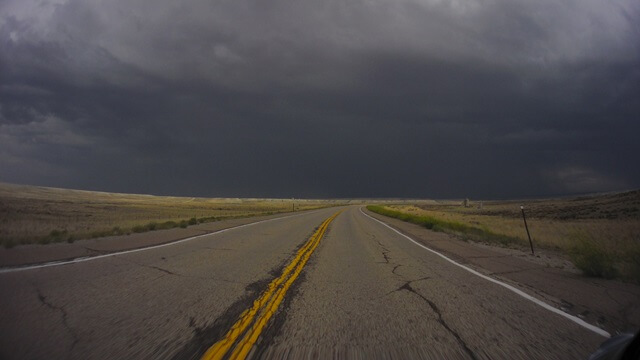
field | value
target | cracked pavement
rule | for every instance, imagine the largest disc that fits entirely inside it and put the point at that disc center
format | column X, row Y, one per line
column 141, row 305
column 610, row 304
column 366, row 293
column 369, row 293
column 63, row 313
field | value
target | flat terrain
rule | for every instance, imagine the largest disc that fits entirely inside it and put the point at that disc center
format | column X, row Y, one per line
column 30, row 214
column 366, row 292
column 604, row 227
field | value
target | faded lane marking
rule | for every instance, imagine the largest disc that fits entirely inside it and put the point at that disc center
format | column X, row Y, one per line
column 265, row 306
column 537, row 301
column 89, row 258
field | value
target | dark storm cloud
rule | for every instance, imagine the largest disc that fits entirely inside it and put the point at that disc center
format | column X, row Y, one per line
column 333, row 99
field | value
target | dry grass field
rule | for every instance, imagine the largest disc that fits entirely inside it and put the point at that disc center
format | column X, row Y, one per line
column 600, row 233
column 30, row 214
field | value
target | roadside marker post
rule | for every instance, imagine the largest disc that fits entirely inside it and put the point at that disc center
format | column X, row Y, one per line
column 527, row 227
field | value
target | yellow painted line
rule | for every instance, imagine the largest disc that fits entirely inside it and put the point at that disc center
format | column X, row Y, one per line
column 266, row 305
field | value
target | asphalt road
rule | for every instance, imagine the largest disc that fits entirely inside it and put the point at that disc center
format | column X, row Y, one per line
column 365, row 292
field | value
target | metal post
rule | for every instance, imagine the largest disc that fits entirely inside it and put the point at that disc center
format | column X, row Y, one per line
column 527, row 227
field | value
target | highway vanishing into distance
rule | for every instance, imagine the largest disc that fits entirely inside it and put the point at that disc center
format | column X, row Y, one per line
column 330, row 283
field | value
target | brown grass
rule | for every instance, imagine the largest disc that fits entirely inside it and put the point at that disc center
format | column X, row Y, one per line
column 603, row 229
column 30, row 214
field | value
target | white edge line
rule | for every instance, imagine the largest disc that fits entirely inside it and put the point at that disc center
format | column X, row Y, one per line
column 537, row 301
column 89, row 258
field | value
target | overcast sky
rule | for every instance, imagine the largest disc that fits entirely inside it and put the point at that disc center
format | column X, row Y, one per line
column 333, row 98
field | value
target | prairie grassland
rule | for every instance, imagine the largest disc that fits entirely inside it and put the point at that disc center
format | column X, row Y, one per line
column 30, row 214
column 600, row 233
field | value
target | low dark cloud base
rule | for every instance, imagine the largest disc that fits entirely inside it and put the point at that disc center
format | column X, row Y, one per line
column 297, row 116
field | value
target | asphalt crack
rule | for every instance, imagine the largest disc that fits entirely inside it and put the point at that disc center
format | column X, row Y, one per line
column 169, row 272
column 385, row 254
column 161, row 269
column 396, row 268
column 63, row 312
column 386, row 257
column 173, row 273
column 407, row 286
column 217, row 248
column 207, row 334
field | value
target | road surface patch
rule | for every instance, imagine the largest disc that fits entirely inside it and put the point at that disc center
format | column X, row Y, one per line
column 245, row 332
column 11, row 269
column 519, row 292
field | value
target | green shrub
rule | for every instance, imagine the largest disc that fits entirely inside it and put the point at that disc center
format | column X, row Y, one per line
column 630, row 263
column 96, row 234
column 166, row 225
column 57, row 235
column 193, row 221
column 592, row 259
column 183, row 224
column 54, row 236
column 431, row 223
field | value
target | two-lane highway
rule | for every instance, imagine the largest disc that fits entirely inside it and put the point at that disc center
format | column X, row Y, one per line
column 365, row 291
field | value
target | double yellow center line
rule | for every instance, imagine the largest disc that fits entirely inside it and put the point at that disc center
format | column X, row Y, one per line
column 245, row 332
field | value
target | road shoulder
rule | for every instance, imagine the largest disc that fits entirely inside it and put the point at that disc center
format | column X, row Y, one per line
column 37, row 254
column 610, row 304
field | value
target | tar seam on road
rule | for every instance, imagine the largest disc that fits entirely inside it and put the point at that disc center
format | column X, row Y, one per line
column 543, row 304
column 245, row 332
column 89, row 258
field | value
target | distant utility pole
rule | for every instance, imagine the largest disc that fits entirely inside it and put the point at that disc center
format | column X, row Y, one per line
column 527, row 227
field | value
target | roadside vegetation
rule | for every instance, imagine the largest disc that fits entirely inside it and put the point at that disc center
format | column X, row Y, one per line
column 38, row 215
column 467, row 232
column 599, row 234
